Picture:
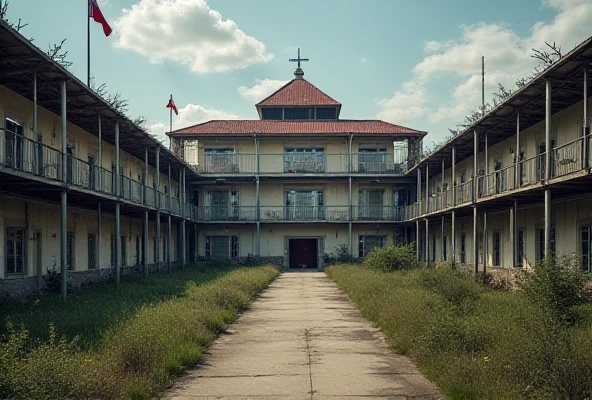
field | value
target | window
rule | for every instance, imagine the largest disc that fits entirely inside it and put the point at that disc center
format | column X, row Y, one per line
column 222, row 247
column 520, row 247
column 221, row 160
column 138, row 259
column 13, row 144
column 372, row 160
column 370, row 205
column 304, row 205
column 92, row 250
column 70, row 243
column 480, row 244
column 433, row 252
column 298, row 113
column 304, row 159
column 271, row 113
column 463, row 248
column 444, row 249
column 496, row 248
column 585, row 248
column 15, row 250
column 368, row 242
column 113, row 245
column 541, row 244
column 326, row 113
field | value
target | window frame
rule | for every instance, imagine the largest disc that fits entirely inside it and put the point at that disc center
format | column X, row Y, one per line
column 23, row 244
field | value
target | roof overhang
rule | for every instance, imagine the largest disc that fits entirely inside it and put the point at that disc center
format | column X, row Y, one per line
column 566, row 77
column 20, row 60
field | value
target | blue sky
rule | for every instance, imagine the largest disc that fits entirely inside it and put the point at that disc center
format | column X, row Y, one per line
column 412, row 63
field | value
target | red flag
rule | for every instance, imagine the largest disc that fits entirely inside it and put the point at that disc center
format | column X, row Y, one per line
column 172, row 105
column 97, row 15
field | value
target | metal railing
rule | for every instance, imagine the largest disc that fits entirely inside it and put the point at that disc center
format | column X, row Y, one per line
column 163, row 200
column 228, row 213
column 26, row 155
column 175, row 207
column 379, row 213
column 464, row 192
column 568, row 158
column 228, row 164
column 149, row 200
column 377, row 163
column 531, row 170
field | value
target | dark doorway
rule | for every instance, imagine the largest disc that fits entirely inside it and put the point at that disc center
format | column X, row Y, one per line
column 303, row 253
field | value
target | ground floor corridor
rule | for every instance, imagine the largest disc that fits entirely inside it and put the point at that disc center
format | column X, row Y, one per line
column 303, row 338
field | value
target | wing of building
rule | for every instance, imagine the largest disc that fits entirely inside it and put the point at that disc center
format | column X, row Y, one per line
column 299, row 183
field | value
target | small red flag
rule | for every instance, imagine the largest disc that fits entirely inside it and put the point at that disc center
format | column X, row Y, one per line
column 172, row 105
column 97, row 15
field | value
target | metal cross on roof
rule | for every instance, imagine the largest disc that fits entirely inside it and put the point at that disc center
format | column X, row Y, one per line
column 298, row 59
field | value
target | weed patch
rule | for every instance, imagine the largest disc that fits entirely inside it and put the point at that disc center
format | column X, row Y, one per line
column 132, row 354
column 479, row 343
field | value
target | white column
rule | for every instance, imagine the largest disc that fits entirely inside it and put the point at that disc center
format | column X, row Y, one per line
column 117, row 209
column 475, row 242
column 547, row 168
column 63, row 195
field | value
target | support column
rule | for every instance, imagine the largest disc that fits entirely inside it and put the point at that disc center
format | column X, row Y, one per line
column 514, row 224
column 63, row 196
column 35, row 128
column 517, row 175
column 169, row 229
column 547, row 169
column 485, row 243
column 117, row 209
column 100, row 155
column 350, row 218
column 443, row 244
column 258, row 216
column 586, row 128
column 485, row 167
column 183, row 233
column 145, row 243
column 427, row 242
column 417, row 239
column 442, row 195
column 453, row 240
column 427, row 189
column 475, row 243
column 157, row 202
column 453, row 226
column 419, row 208
column 196, row 252
column 99, row 231
column 475, row 165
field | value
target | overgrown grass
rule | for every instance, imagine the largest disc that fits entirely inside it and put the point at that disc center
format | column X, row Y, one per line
column 114, row 343
column 476, row 343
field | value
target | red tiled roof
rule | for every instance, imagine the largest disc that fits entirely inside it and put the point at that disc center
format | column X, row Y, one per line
column 249, row 127
column 298, row 92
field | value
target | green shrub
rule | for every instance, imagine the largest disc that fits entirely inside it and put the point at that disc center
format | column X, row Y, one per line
column 473, row 342
column 390, row 258
column 557, row 285
column 141, row 350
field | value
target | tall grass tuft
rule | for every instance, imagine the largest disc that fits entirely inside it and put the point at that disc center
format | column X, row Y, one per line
column 138, row 352
column 479, row 343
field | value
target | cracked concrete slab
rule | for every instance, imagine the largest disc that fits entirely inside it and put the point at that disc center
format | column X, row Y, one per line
column 303, row 339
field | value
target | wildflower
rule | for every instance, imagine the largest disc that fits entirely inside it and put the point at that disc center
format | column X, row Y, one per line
column 486, row 358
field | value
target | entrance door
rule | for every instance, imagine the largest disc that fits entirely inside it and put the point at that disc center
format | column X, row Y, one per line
column 303, row 253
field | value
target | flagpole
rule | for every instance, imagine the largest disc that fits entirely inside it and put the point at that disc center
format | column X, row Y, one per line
column 171, row 123
column 88, row 43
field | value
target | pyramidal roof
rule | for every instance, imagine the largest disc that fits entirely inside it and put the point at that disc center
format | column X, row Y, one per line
column 298, row 92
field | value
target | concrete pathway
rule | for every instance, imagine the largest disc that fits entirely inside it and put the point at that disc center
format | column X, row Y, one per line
column 303, row 339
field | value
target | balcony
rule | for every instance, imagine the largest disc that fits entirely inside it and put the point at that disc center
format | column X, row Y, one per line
column 230, row 164
column 23, row 155
column 379, row 213
column 227, row 214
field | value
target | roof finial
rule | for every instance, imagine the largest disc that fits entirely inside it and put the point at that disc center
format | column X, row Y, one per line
column 299, row 73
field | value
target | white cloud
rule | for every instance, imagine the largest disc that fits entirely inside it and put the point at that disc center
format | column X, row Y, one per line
column 363, row 60
column 507, row 58
column 261, row 89
column 189, row 115
column 187, row 32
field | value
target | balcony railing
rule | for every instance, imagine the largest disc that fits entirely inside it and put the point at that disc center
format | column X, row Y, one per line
column 379, row 213
column 464, row 192
column 568, row 158
column 228, row 164
column 163, row 201
column 301, row 163
column 228, row 213
column 26, row 155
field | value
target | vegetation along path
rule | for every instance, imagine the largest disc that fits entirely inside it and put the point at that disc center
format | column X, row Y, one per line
column 303, row 338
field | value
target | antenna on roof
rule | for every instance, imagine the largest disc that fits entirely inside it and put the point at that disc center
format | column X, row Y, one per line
column 299, row 73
